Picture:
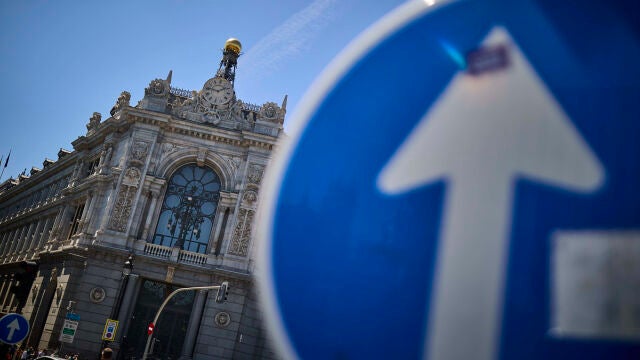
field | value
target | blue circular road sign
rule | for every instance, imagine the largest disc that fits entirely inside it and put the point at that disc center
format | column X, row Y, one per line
column 462, row 185
column 13, row 328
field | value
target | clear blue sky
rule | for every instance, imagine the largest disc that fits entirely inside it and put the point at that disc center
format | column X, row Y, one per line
column 62, row 60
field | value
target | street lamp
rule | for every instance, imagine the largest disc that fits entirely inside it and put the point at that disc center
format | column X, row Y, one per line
column 127, row 268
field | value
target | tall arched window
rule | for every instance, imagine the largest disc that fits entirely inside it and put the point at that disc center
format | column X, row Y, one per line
column 186, row 217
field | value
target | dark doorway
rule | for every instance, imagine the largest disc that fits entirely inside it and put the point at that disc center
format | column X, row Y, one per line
column 171, row 329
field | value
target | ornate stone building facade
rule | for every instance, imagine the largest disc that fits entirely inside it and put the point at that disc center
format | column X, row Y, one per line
column 158, row 196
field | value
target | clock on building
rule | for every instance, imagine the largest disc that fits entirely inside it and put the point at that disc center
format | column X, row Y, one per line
column 217, row 91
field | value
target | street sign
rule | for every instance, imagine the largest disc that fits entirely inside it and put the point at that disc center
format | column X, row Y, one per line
column 463, row 186
column 110, row 329
column 68, row 331
column 73, row 316
column 13, row 328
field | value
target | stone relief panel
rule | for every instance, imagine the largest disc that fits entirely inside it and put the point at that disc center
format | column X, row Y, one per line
column 255, row 173
column 139, row 150
column 168, row 148
column 122, row 208
column 124, row 201
column 131, row 177
column 242, row 233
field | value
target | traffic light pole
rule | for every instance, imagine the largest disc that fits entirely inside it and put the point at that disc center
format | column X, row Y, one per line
column 166, row 301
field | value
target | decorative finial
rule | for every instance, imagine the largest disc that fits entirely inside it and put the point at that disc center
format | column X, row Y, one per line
column 230, row 54
column 284, row 103
column 234, row 45
column 169, row 77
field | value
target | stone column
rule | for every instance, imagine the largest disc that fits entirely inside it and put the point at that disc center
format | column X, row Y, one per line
column 88, row 211
column 8, row 242
column 34, row 236
column 15, row 243
column 59, row 219
column 39, row 240
column 194, row 325
column 28, row 236
column 95, row 218
column 85, row 212
column 110, row 197
column 5, row 241
column 150, row 213
column 4, row 289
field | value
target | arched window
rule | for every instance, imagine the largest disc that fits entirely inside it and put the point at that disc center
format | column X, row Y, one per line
column 186, row 217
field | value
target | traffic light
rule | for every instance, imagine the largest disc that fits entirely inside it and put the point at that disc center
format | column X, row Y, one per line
column 223, row 292
column 150, row 328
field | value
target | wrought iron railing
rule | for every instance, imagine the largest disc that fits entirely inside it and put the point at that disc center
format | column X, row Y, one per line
column 251, row 107
column 180, row 92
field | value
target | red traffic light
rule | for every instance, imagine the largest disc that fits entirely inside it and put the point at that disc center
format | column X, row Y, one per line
column 150, row 328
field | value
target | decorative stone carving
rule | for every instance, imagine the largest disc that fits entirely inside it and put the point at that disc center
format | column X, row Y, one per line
column 122, row 208
column 250, row 196
column 121, row 103
column 201, row 156
column 139, row 151
column 206, row 107
column 97, row 295
column 171, row 270
column 157, row 87
column 168, row 148
column 93, row 123
column 105, row 157
column 242, row 233
column 222, row 319
column 272, row 112
column 54, row 274
column 255, row 173
column 232, row 162
column 131, row 177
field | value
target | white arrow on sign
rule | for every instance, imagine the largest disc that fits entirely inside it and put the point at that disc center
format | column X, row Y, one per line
column 13, row 326
column 483, row 133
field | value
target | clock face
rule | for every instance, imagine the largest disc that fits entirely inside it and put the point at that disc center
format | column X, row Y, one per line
column 217, row 91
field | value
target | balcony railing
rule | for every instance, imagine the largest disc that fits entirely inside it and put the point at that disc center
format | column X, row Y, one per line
column 165, row 252
column 192, row 258
column 157, row 250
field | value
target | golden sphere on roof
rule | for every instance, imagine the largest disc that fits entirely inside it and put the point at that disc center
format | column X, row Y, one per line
column 233, row 45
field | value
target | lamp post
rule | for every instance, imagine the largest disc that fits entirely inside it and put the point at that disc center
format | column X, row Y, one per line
column 126, row 271
column 127, row 268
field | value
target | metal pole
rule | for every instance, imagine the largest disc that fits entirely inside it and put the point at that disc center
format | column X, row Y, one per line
column 164, row 303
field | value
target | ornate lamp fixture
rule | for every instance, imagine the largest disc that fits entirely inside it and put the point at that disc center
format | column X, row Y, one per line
column 187, row 216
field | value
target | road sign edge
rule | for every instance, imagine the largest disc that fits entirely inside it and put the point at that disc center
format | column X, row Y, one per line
column 318, row 90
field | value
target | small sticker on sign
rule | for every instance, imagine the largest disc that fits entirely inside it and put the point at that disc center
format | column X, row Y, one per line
column 487, row 59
